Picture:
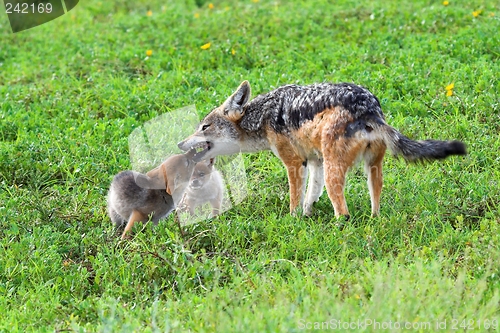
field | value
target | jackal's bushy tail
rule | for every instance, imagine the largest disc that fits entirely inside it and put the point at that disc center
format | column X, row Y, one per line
column 422, row 150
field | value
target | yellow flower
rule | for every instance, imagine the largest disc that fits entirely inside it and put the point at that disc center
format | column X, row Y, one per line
column 446, row 3
column 233, row 52
column 211, row 6
column 196, row 15
column 149, row 53
column 449, row 89
column 492, row 14
column 205, row 46
column 255, row 1
column 149, row 13
column 476, row 13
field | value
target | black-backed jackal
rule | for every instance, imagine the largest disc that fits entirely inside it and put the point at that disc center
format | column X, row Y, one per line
column 321, row 130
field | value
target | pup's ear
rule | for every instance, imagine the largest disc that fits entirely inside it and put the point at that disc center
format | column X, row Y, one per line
column 173, row 183
column 152, row 180
column 233, row 106
column 210, row 162
column 168, row 182
column 157, row 178
column 143, row 181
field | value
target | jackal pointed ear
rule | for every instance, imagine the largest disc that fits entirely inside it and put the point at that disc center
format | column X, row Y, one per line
column 241, row 95
column 233, row 106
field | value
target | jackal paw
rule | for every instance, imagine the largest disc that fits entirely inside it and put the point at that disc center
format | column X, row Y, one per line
column 341, row 221
column 307, row 211
column 297, row 212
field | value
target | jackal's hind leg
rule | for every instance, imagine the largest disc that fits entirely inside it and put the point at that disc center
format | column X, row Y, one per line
column 373, row 169
column 335, row 174
column 339, row 156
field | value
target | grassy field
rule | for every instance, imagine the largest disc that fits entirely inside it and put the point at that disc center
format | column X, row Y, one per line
column 73, row 90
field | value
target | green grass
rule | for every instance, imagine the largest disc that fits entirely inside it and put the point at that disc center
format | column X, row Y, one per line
column 73, row 90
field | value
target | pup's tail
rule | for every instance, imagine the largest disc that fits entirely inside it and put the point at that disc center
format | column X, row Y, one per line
column 419, row 151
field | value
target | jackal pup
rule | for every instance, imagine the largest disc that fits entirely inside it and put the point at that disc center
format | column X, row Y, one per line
column 136, row 197
column 321, row 129
column 206, row 185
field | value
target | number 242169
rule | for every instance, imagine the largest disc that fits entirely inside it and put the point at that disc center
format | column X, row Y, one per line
column 28, row 8
column 472, row 324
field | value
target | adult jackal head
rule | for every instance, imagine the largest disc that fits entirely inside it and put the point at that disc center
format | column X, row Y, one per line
column 219, row 133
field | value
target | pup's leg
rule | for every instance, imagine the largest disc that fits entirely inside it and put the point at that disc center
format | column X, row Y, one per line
column 178, row 221
column 373, row 169
column 315, row 184
column 192, row 208
column 187, row 205
column 216, row 203
column 136, row 216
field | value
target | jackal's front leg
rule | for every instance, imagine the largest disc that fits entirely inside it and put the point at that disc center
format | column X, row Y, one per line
column 297, row 175
column 315, row 184
column 295, row 168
